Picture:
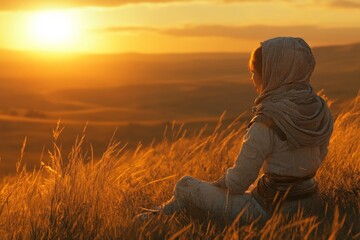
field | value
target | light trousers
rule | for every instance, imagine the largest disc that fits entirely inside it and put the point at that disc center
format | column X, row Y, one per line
column 194, row 194
column 190, row 193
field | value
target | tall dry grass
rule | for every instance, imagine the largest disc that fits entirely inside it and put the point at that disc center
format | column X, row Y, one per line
column 76, row 197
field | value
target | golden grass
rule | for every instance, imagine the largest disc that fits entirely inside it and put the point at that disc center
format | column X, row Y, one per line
column 77, row 197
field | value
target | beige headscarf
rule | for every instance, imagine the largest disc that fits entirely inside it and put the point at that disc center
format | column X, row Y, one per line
column 287, row 97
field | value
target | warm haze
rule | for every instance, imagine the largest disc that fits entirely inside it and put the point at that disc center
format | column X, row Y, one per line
column 158, row 89
column 173, row 26
column 116, row 63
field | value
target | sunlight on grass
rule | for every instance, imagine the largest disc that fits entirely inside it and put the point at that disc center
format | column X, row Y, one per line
column 75, row 197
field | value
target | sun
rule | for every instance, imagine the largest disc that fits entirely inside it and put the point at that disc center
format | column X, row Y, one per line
column 52, row 29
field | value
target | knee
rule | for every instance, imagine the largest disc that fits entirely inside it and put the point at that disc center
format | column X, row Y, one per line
column 183, row 187
column 184, row 182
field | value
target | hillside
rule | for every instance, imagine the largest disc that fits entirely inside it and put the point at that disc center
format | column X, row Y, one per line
column 139, row 94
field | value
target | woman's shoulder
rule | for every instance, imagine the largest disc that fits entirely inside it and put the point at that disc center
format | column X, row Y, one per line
column 264, row 122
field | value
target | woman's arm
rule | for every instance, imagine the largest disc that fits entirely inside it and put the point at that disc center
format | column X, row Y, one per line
column 256, row 147
column 220, row 182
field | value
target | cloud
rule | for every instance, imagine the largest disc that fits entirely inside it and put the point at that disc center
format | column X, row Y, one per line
column 234, row 1
column 128, row 29
column 345, row 4
column 254, row 32
column 36, row 4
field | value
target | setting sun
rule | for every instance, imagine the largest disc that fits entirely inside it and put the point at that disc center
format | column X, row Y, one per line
column 52, row 29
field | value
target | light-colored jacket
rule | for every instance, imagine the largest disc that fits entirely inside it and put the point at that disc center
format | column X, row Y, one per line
column 262, row 148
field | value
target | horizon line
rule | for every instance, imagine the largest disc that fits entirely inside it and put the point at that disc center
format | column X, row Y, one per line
column 69, row 53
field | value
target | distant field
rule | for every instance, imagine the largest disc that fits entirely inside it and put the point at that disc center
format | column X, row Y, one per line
column 137, row 94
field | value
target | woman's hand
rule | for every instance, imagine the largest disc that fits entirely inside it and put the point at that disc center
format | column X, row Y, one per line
column 220, row 182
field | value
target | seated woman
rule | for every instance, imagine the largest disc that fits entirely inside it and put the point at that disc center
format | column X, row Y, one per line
column 287, row 137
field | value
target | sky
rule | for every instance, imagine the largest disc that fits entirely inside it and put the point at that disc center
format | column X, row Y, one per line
column 169, row 26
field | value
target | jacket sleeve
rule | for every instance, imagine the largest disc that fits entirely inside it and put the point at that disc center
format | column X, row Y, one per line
column 256, row 147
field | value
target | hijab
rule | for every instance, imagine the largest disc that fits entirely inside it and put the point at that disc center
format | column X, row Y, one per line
column 287, row 96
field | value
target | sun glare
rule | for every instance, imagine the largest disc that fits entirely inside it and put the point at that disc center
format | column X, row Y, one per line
column 52, row 29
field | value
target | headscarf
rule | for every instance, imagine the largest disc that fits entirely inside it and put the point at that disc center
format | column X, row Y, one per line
column 288, row 98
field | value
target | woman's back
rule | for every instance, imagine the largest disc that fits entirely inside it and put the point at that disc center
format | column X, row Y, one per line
column 297, row 162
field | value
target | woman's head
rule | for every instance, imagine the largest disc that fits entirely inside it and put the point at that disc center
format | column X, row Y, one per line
column 286, row 95
column 281, row 61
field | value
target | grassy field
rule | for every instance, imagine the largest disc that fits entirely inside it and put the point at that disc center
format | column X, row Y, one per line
column 74, row 196
column 138, row 94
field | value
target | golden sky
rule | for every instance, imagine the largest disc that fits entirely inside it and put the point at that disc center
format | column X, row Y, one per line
column 162, row 26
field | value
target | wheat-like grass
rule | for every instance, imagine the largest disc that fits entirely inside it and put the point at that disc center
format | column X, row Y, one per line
column 78, row 197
